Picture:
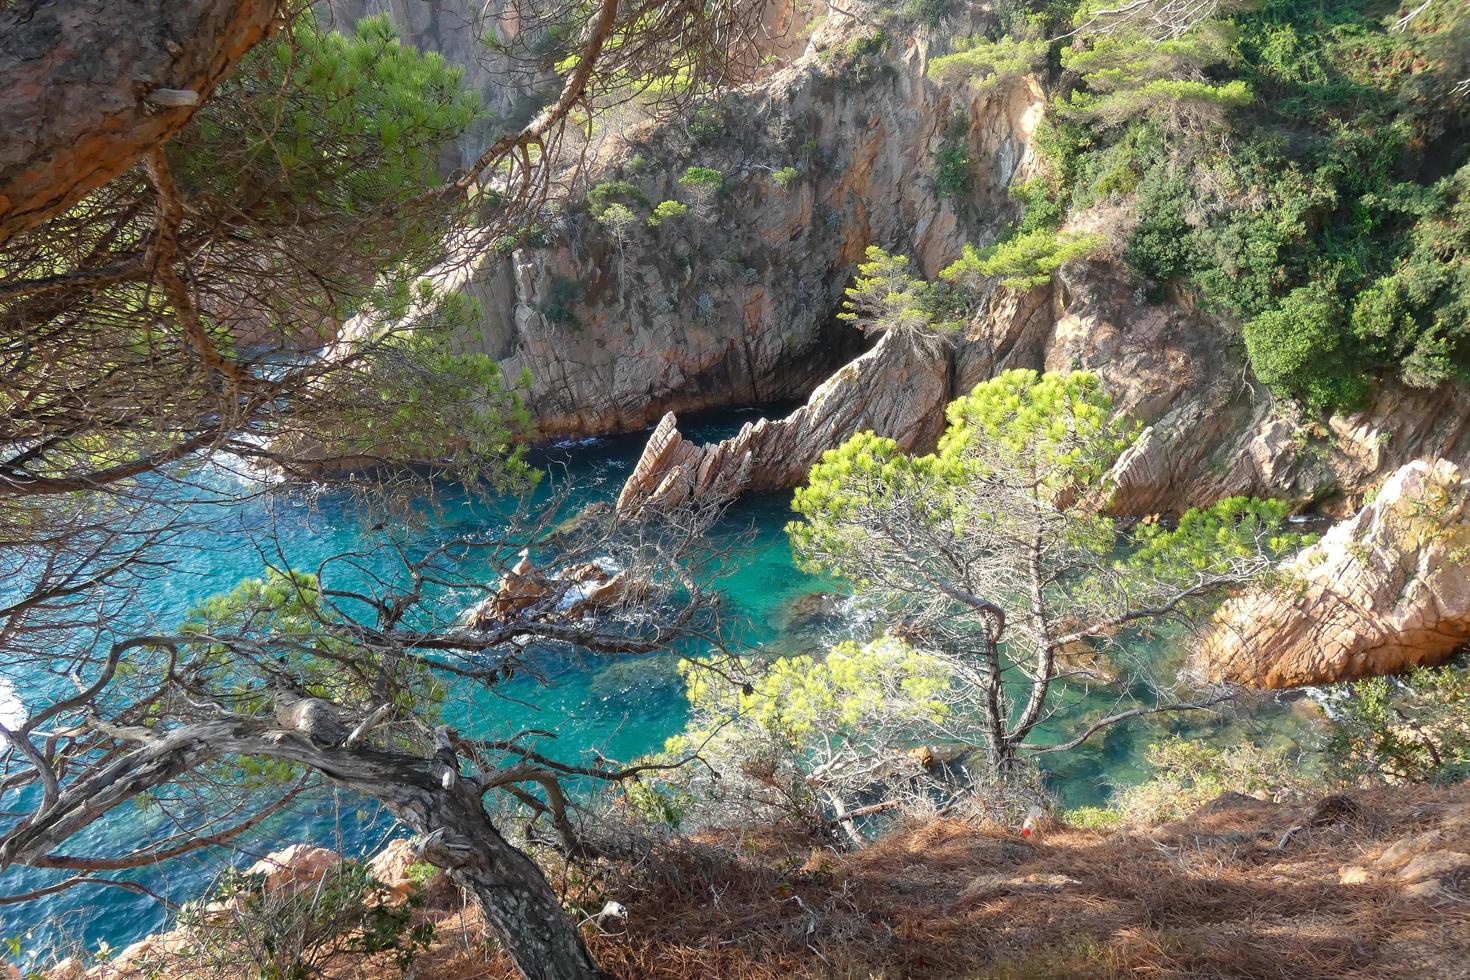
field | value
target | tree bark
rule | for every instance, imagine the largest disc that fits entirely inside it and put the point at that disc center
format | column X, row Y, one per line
column 425, row 794
column 93, row 85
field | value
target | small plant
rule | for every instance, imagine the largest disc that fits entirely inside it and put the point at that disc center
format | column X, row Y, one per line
column 705, row 125
column 784, row 177
column 284, row 933
column 561, row 298
column 667, row 211
column 867, row 44
column 952, row 170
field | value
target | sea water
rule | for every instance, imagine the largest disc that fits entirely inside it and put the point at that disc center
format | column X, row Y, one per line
column 619, row 706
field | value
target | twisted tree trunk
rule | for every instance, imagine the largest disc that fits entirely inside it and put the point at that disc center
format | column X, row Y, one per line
column 426, row 794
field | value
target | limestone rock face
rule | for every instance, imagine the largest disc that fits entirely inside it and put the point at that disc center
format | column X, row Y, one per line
column 1381, row 592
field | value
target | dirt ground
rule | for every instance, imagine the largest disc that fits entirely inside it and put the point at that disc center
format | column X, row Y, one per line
column 1377, row 885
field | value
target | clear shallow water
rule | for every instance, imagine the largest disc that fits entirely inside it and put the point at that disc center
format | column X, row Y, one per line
column 622, row 707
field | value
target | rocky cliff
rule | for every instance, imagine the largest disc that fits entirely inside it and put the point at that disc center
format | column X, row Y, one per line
column 732, row 303
column 1387, row 590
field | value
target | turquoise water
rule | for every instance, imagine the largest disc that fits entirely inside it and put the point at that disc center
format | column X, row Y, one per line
column 621, row 707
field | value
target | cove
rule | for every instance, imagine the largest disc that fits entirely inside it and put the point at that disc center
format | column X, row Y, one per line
column 619, row 706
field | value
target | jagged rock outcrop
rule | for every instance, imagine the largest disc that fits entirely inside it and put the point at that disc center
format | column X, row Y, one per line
column 892, row 390
column 1384, row 591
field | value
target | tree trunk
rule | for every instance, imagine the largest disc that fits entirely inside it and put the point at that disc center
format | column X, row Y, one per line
column 92, row 85
column 517, row 899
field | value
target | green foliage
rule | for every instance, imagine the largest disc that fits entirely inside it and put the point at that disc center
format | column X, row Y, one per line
column 618, row 219
column 930, row 13
column 886, row 297
column 803, row 733
column 1208, row 540
column 561, row 300
column 604, row 195
column 867, row 44
column 839, row 695
column 702, row 177
column 785, row 177
column 1188, row 774
column 1413, row 729
column 705, row 124
column 292, row 933
column 1279, row 157
column 1296, row 349
column 986, row 64
column 1023, row 261
column 666, row 211
column 1173, row 98
column 952, row 169
column 357, row 121
column 986, row 547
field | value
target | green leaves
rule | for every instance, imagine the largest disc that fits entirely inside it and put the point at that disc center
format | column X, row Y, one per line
column 704, row 177
column 1023, row 261
column 667, row 211
column 1061, row 428
column 986, row 64
column 1296, row 349
column 886, row 297
column 1408, row 729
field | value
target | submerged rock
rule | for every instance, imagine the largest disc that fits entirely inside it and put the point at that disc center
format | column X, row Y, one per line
column 1385, row 591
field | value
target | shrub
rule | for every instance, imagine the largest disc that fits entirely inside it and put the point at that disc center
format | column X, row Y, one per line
column 784, row 177
column 1296, row 349
column 603, row 195
column 952, row 170
column 1022, row 261
column 561, row 298
column 245, row 928
column 1414, row 729
column 986, row 64
column 1189, row 774
column 667, row 211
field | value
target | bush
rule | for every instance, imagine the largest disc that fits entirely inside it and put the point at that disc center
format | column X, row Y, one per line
column 784, row 177
column 1414, row 729
column 562, row 297
column 1188, row 774
column 952, row 170
column 1023, row 261
column 667, row 211
column 245, row 928
column 1296, row 349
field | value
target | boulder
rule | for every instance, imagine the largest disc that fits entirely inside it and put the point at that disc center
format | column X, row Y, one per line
column 810, row 612
column 67, row 968
column 295, row 867
column 1382, row 592
column 523, row 586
